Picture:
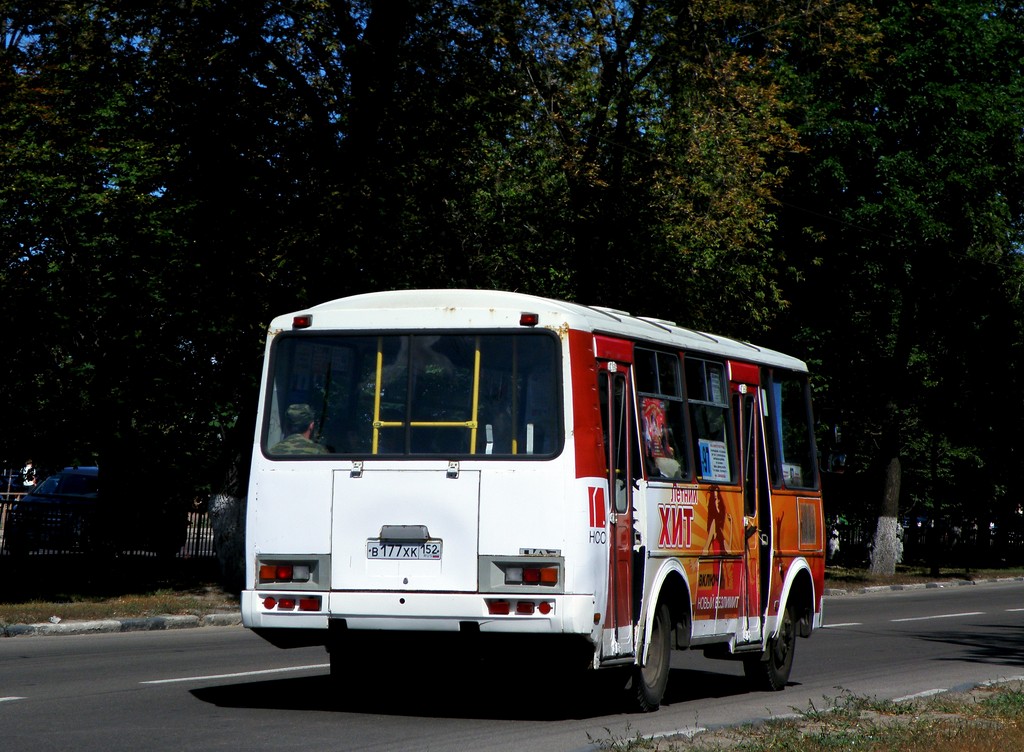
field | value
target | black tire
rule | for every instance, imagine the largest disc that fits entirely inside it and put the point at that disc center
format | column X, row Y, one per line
column 770, row 670
column 651, row 680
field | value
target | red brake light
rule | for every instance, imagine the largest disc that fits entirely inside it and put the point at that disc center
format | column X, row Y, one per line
column 302, row 322
column 540, row 575
column 529, row 319
column 285, row 572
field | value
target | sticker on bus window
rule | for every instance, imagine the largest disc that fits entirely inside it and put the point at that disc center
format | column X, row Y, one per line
column 717, row 393
column 714, row 460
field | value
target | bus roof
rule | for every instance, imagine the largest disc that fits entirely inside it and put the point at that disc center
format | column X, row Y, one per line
column 457, row 308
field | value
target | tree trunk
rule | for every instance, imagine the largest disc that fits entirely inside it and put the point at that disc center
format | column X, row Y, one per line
column 888, row 548
column 227, row 517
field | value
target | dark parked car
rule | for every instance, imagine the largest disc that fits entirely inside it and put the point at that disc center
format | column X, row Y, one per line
column 56, row 515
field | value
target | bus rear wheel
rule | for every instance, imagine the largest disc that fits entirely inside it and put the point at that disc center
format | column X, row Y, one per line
column 651, row 679
column 770, row 670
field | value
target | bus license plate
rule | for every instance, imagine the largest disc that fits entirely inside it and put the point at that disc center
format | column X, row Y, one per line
column 420, row 550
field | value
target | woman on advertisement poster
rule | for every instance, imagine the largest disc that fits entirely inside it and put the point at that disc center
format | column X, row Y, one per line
column 717, row 522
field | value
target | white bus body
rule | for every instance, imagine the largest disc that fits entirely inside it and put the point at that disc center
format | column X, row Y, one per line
column 491, row 471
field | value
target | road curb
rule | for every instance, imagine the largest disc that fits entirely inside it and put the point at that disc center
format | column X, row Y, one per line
column 141, row 624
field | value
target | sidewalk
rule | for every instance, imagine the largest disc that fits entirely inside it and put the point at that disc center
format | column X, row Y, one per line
column 915, row 586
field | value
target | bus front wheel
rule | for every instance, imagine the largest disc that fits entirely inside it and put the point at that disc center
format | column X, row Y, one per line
column 769, row 671
column 651, row 679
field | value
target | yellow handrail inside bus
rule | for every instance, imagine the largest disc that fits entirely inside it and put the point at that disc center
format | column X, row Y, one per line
column 476, row 398
column 426, row 424
column 472, row 424
column 376, row 395
column 515, row 406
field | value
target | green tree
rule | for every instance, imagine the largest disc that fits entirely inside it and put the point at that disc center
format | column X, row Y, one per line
column 649, row 135
column 178, row 173
column 904, row 220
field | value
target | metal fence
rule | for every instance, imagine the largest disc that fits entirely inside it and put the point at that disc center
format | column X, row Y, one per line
column 58, row 530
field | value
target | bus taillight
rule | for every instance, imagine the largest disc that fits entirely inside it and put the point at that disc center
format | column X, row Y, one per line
column 310, row 603
column 519, row 608
column 531, row 576
column 282, row 572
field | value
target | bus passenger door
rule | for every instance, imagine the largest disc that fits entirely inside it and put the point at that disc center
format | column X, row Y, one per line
column 615, row 390
column 757, row 546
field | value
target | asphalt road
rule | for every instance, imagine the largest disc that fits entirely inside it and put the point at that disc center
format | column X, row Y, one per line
column 215, row 688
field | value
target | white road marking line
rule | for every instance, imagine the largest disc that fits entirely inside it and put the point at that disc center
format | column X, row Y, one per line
column 239, row 675
column 10, row 699
column 1011, row 610
column 846, row 624
column 940, row 616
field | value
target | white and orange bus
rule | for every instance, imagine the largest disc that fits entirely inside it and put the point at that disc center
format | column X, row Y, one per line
column 478, row 472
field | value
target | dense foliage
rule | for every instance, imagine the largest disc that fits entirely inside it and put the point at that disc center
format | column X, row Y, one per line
column 839, row 179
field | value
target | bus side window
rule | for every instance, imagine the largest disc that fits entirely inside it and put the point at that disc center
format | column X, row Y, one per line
column 706, row 391
column 744, row 406
column 793, row 449
column 621, row 467
column 660, row 404
column 602, row 395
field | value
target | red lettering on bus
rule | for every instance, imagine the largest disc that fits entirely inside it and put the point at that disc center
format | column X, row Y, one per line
column 597, row 513
column 676, row 526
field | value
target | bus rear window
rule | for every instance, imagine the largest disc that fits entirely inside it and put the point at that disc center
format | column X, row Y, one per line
column 451, row 395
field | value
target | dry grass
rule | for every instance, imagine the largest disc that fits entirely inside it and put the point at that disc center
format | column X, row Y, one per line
column 986, row 719
column 198, row 601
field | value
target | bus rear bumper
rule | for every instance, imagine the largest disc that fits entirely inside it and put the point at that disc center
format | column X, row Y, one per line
column 424, row 612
